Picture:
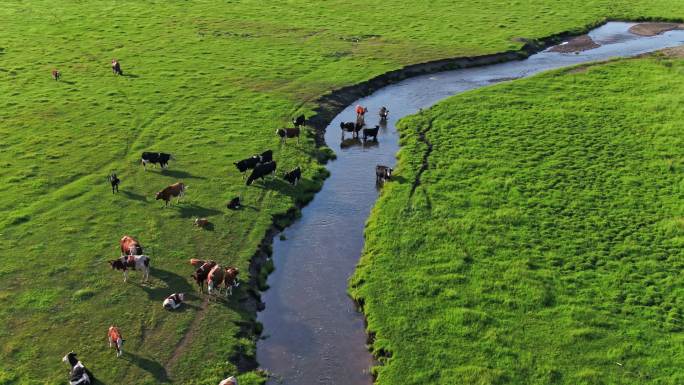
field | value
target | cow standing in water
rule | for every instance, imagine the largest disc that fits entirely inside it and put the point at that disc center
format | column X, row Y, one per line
column 382, row 173
column 116, row 67
column 115, row 339
column 384, row 113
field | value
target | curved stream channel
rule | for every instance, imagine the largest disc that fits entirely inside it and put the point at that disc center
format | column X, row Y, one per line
column 312, row 331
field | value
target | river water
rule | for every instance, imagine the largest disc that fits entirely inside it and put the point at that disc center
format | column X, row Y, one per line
column 313, row 334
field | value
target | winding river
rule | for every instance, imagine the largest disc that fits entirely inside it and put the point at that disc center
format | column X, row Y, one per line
column 312, row 331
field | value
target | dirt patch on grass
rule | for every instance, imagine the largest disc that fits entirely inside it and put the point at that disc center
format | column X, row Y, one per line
column 676, row 52
column 578, row 69
column 653, row 29
column 578, row 44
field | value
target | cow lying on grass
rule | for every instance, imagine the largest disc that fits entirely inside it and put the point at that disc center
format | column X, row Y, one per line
column 173, row 301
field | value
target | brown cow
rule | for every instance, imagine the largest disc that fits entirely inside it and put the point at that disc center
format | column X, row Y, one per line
column 231, row 279
column 130, row 246
column 202, row 273
column 215, row 278
column 175, row 190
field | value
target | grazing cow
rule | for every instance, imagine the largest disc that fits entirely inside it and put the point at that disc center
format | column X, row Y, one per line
column 201, row 222
column 78, row 375
column 266, row 156
column 368, row 132
column 229, row 381
column 115, row 338
column 175, row 190
column 202, row 273
column 350, row 127
column 293, row 176
column 160, row 158
column 116, row 67
column 261, row 170
column 130, row 246
column 382, row 173
column 173, row 301
column 134, row 262
column 56, row 75
column 285, row 133
column 299, row 121
column 384, row 113
column 114, row 181
column 234, row 204
column 247, row 164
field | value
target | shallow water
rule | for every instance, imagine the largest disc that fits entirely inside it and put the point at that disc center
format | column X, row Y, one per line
column 313, row 333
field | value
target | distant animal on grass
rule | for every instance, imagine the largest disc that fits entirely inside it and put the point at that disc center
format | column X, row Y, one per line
column 115, row 339
column 134, row 262
column 261, row 170
column 285, row 133
column 78, row 374
column 175, row 190
column 114, row 181
column 247, row 164
column 299, row 121
column 371, row 132
column 384, row 113
column 201, row 223
column 234, row 204
column 160, row 158
column 229, row 381
column 130, row 246
column 174, row 301
column 382, row 173
column 293, row 176
column 56, row 75
column 116, row 67
column 202, row 273
column 266, row 156
column 350, row 127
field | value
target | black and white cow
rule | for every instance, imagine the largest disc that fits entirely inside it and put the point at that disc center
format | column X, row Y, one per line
column 293, row 176
column 299, row 121
column 155, row 158
column 114, row 181
column 78, row 375
column 382, row 173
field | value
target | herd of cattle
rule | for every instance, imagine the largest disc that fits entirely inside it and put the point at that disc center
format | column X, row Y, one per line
column 217, row 278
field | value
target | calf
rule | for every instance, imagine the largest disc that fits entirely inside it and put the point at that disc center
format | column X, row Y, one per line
column 382, row 173
column 160, row 158
column 299, row 121
column 234, row 204
column 115, row 338
column 201, row 222
column 114, row 181
column 293, row 176
column 284, row 133
column 202, row 273
column 175, row 190
column 261, row 170
column 116, row 67
column 368, row 132
column 56, row 75
column 173, row 301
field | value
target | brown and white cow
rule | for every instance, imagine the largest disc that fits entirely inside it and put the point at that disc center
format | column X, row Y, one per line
column 173, row 301
column 116, row 339
column 202, row 274
column 130, row 246
column 223, row 276
column 175, row 190
column 134, row 262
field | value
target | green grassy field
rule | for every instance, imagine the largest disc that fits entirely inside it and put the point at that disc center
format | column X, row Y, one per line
column 543, row 244
column 208, row 81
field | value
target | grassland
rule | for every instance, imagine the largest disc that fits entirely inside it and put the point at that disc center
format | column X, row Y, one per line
column 543, row 242
column 208, row 81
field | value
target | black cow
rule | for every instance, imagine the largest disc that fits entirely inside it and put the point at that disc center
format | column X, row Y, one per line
column 266, row 156
column 247, row 164
column 368, row 132
column 382, row 173
column 155, row 158
column 261, row 170
column 352, row 127
column 293, row 176
column 114, row 181
column 299, row 121
column 234, row 203
column 116, row 67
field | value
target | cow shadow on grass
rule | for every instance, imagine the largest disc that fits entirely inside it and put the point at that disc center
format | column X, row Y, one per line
column 130, row 75
column 276, row 184
column 180, row 174
column 192, row 210
column 154, row 368
column 174, row 284
column 134, row 196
